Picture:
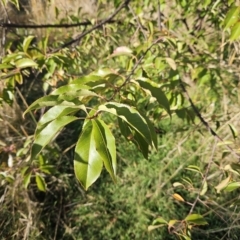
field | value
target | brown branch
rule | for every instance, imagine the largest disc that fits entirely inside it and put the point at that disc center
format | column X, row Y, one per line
column 100, row 24
column 212, row 132
column 63, row 25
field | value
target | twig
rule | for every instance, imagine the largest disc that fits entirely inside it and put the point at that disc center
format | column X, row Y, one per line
column 64, row 25
column 213, row 133
column 204, row 178
column 139, row 23
column 140, row 61
column 159, row 16
column 100, row 24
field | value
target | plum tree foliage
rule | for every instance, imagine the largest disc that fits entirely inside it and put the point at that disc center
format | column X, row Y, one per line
column 121, row 74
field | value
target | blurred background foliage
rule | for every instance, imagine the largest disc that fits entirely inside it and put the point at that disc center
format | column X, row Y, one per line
column 43, row 200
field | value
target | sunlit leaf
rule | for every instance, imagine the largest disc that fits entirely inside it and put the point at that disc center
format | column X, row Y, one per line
column 41, row 184
column 27, row 42
column 25, row 62
column 171, row 63
column 87, row 161
column 204, row 188
column 159, row 220
column 48, row 133
column 47, row 101
column 235, row 32
column 233, row 130
column 27, row 179
column 178, row 197
column 223, row 184
column 131, row 116
column 232, row 17
column 196, row 219
column 105, row 146
column 232, row 186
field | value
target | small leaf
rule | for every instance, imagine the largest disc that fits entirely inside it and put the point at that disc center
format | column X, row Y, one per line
column 27, row 42
column 224, row 143
column 26, row 179
column 196, row 219
column 178, row 197
column 40, row 183
column 232, row 186
column 171, row 63
column 204, row 188
column 233, row 130
column 151, row 227
column 122, row 51
column 87, row 161
column 178, row 184
column 159, row 220
column 223, row 184
column 193, row 168
column 25, row 62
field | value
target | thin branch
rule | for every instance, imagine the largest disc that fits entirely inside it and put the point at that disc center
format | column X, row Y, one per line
column 213, row 133
column 204, row 178
column 140, row 61
column 100, row 24
column 159, row 16
column 139, row 23
column 63, row 25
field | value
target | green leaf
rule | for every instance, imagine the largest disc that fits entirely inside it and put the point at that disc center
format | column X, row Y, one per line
column 232, row 186
column 48, row 169
column 232, row 17
column 153, row 132
column 5, row 66
column 25, row 62
column 131, row 116
column 196, row 219
column 70, row 96
column 43, row 137
column 69, row 88
column 124, row 128
column 26, row 179
column 56, row 112
column 87, row 161
column 86, row 79
column 122, row 51
column 235, row 32
column 159, row 220
column 193, row 168
column 157, row 93
column 223, row 184
column 41, row 184
column 233, row 130
column 141, row 144
column 204, row 188
column 171, row 63
column 27, row 42
column 46, row 101
column 106, row 146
